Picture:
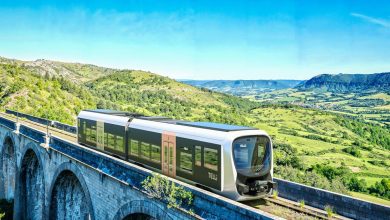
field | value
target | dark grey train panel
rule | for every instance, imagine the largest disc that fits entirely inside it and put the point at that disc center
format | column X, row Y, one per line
column 205, row 160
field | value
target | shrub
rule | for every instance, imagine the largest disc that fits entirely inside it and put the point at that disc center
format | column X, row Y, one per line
column 354, row 151
column 354, row 184
column 311, row 179
column 330, row 172
column 161, row 188
column 381, row 188
column 329, row 211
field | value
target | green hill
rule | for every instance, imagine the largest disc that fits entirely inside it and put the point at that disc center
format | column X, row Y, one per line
column 314, row 147
column 31, row 93
column 348, row 82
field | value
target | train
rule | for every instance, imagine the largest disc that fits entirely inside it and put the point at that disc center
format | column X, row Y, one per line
column 232, row 161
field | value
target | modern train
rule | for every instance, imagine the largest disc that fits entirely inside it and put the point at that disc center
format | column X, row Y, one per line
column 233, row 161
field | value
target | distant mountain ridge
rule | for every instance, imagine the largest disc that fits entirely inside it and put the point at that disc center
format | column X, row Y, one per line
column 348, row 82
column 243, row 87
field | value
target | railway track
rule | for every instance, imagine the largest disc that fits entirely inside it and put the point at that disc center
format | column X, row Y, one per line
column 301, row 208
column 41, row 127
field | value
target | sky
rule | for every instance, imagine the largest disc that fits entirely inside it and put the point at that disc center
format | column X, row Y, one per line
column 199, row 39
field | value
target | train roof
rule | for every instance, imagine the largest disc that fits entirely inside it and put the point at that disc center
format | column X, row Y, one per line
column 121, row 118
column 215, row 126
column 116, row 113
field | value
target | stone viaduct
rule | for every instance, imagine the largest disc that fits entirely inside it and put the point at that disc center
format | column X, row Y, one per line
column 51, row 178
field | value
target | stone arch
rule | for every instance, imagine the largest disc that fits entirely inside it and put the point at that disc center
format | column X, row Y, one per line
column 139, row 216
column 69, row 196
column 8, row 168
column 141, row 210
column 32, row 184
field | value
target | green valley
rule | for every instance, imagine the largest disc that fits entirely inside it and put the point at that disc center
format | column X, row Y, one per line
column 337, row 152
column 371, row 106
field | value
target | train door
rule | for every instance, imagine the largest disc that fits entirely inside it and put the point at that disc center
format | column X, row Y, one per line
column 100, row 135
column 169, row 154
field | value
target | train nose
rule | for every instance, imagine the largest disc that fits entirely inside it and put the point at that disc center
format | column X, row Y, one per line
column 264, row 186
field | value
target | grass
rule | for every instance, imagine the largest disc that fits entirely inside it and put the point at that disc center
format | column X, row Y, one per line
column 301, row 203
column 370, row 198
column 312, row 122
column 383, row 96
column 339, row 103
column 275, row 194
column 329, row 211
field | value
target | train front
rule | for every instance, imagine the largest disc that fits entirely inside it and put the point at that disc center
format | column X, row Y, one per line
column 253, row 163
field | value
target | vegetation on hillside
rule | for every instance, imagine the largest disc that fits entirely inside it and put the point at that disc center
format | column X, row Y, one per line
column 314, row 147
column 150, row 94
column 370, row 106
column 52, row 97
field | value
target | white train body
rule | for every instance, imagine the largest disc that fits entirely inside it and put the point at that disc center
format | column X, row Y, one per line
column 233, row 161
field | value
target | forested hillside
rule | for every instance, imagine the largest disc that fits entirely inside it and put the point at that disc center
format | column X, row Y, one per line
column 314, row 147
column 52, row 97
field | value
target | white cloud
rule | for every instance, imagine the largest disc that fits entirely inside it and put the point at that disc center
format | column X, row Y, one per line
column 381, row 22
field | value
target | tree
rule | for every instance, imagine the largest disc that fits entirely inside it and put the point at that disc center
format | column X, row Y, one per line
column 357, row 185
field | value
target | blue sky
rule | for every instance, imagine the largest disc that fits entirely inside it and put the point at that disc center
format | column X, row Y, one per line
column 203, row 39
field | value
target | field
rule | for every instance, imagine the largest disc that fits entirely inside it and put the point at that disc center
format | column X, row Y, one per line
column 372, row 106
column 320, row 140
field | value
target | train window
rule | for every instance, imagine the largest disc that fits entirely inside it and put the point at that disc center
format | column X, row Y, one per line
column 87, row 134
column 84, row 125
column 166, row 152
column 156, row 153
column 186, row 162
column 111, row 141
column 106, row 140
column 119, row 144
column 249, row 152
column 145, row 150
column 211, row 159
column 93, row 134
column 198, row 156
column 79, row 125
column 134, row 148
column 170, row 158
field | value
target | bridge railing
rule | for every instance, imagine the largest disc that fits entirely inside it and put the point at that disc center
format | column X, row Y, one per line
column 43, row 121
column 8, row 123
column 342, row 204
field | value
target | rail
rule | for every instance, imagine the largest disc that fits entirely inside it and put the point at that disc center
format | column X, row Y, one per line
column 43, row 121
column 40, row 126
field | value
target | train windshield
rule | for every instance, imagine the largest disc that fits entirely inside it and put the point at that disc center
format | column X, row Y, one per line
column 249, row 152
